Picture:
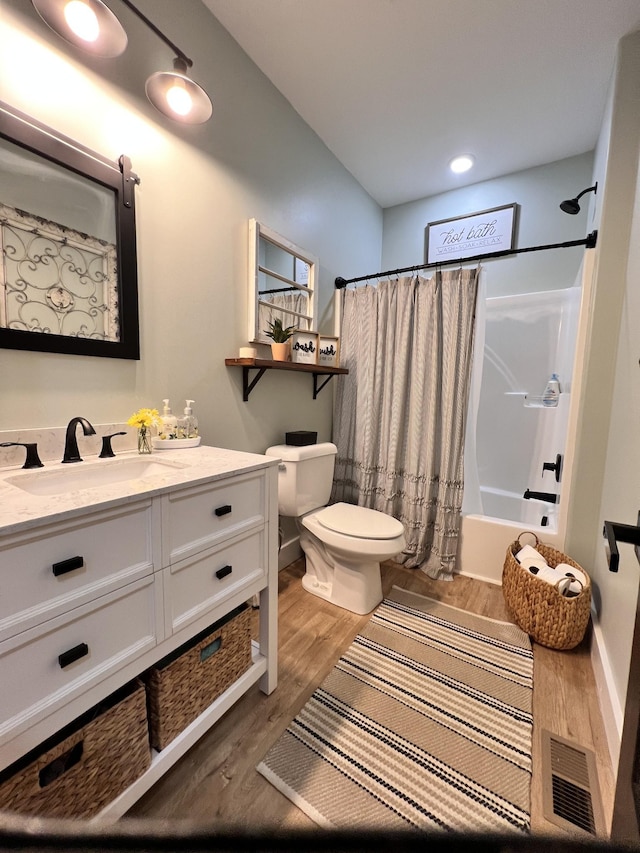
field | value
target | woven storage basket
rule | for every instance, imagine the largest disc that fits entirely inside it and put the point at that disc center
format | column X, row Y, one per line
column 87, row 765
column 538, row 607
column 184, row 684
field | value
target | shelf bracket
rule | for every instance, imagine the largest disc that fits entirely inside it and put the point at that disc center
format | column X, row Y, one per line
column 318, row 388
column 247, row 387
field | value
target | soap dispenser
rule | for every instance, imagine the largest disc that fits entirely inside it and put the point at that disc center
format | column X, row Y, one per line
column 188, row 425
column 169, row 428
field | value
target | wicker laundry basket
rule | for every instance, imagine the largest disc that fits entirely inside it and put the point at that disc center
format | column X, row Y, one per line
column 91, row 761
column 538, row 607
column 184, row 684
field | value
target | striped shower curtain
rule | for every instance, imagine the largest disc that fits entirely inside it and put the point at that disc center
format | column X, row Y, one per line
column 400, row 412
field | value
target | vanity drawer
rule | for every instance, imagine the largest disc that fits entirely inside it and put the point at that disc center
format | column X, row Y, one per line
column 198, row 518
column 53, row 569
column 196, row 586
column 46, row 667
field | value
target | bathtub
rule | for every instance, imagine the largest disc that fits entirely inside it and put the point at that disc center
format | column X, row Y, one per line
column 483, row 544
column 511, row 437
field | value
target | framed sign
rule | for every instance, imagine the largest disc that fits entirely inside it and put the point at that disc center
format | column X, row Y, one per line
column 483, row 233
column 329, row 351
column 304, row 347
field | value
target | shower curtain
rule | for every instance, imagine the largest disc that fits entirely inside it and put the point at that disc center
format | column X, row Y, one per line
column 291, row 308
column 400, row 412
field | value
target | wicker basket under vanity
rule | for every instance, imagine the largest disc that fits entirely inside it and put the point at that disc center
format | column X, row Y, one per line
column 84, row 767
column 538, row 607
column 184, row 684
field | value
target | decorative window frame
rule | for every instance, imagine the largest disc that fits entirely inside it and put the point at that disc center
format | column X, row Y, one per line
column 304, row 268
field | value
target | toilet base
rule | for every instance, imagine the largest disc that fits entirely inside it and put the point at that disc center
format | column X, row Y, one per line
column 356, row 589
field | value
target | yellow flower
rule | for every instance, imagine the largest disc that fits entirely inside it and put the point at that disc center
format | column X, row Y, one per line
column 144, row 419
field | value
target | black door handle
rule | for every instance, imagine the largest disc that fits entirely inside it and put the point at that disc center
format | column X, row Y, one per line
column 615, row 533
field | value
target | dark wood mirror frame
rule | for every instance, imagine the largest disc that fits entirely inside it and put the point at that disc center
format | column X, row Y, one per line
column 20, row 129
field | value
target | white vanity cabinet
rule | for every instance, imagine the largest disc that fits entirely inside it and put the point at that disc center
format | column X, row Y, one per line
column 91, row 598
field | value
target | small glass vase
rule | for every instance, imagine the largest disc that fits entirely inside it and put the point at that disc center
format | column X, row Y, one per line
column 144, row 440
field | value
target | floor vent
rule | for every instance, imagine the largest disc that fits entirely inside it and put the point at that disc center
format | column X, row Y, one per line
column 570, row 797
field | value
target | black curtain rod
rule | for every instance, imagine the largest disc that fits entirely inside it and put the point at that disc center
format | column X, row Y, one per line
column 588, row 242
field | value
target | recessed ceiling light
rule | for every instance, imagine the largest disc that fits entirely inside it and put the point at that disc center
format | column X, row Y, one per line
column 461, row 164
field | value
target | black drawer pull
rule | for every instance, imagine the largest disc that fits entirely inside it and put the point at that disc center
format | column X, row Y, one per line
column 223, row 572
column 73, row 654
column 223, row 510
column 69, row 565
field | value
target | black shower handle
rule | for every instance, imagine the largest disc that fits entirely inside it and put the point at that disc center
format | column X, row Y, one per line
column 554, row 466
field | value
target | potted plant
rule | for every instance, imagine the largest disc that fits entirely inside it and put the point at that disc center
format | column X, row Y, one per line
column 279, row 334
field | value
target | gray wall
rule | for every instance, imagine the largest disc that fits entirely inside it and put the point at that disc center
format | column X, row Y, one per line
column 607, row 474
column 199, row 187
column 538, row 193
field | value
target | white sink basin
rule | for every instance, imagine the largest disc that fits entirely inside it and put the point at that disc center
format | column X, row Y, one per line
column 77, row 476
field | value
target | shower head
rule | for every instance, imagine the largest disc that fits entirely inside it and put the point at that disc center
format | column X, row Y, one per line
column 570, row 205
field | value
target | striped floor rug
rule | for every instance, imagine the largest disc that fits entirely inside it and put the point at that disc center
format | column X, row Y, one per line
column 424, row 722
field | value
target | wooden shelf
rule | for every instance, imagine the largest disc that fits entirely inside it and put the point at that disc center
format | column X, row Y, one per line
column 264, row 364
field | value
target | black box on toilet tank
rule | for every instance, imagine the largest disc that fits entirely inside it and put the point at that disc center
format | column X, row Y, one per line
column 300, row 438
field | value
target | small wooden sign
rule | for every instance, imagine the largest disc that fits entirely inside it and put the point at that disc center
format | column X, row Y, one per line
column 329, row 351
column 304, row 347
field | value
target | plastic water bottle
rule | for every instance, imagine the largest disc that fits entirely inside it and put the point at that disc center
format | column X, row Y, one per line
column 551, row 392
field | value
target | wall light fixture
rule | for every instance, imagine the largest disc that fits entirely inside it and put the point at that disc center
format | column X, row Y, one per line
column 92, row 26
column 87, row 24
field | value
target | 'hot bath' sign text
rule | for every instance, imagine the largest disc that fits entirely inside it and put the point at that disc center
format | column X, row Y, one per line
column 482, row 233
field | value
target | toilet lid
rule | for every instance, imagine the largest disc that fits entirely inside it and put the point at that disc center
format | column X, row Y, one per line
column 351, row 520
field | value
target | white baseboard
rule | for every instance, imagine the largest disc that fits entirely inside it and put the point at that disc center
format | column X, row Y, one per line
column 492, row 579
column 610, row 708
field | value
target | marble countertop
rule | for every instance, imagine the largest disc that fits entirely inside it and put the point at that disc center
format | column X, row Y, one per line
column 21, row 509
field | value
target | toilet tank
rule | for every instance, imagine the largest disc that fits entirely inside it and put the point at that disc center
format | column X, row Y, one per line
column 305, row 476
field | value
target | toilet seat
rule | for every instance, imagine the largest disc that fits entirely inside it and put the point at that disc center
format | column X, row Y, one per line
column 359, row 521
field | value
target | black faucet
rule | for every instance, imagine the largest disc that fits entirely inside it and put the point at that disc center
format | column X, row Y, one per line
column 107, row 450
column 71, row 452
column 548, row 497
column 32, row 460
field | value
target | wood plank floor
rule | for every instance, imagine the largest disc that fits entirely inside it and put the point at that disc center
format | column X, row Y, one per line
column 216, row 782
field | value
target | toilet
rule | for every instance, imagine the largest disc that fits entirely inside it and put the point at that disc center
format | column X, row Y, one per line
column 343, row 544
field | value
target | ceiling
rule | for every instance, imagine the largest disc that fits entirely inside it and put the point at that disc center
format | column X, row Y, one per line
column 396, row 88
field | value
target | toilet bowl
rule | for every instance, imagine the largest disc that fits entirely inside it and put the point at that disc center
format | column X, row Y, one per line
column 343, row 544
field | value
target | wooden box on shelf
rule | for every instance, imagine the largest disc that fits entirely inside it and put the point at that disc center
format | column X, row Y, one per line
column 329, row 351
column 304, row 348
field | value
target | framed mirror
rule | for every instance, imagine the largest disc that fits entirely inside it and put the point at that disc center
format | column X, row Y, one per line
column 282, row 283
column 68, row 268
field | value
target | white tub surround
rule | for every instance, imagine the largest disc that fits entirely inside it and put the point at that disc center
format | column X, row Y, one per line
column 131, row 557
